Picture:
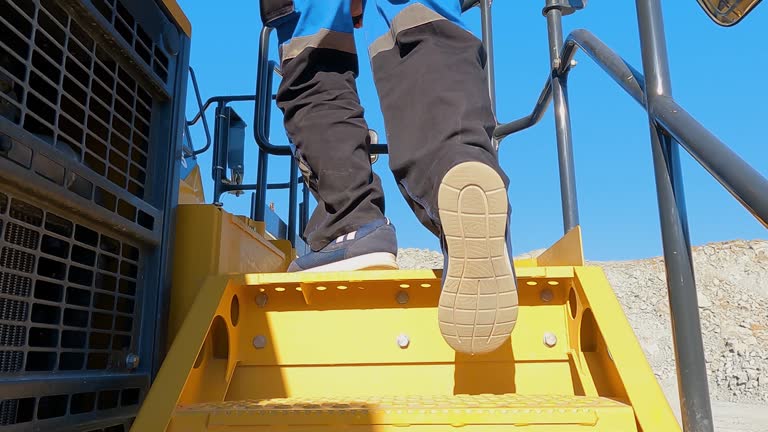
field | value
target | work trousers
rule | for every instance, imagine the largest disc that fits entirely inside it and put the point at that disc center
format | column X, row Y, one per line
column 429, row 75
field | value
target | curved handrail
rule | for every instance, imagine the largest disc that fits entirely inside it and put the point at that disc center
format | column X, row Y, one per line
column 264, row 98
column 624, row 74
column 205, row 121
column 739, row 178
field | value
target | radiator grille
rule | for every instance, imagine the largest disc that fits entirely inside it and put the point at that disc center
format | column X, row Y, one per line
column 67, row 293
column 59, row 84
column 24, row 410
column 133, row 33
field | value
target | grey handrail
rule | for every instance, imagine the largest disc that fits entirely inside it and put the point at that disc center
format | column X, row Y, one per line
column 739, row 178
column 732, row 172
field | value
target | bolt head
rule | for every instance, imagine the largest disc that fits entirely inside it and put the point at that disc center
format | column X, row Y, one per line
column 550, row 339
column 402, row 297
column 403, row 341
column 547, row 295
column 261, row 300
column 132, row 361
column 259, row 341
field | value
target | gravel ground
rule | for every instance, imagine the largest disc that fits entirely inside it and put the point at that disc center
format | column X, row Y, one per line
column 733, row 298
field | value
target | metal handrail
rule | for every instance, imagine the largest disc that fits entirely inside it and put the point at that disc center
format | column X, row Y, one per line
column 732, row 172
column 205, row 121
column 671, row 127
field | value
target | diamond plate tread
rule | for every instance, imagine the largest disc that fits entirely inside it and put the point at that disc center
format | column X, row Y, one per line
column 457, row 410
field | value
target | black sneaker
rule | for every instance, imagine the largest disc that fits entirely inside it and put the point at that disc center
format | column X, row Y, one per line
column 372, row 247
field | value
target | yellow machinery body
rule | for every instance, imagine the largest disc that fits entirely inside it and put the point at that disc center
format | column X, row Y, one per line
column 255, row 348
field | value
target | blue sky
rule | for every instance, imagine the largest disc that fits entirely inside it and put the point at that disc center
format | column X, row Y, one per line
column 715, row 74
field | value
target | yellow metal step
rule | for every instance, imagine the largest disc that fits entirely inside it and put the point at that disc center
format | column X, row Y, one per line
column 286, row 345
column 469, row 412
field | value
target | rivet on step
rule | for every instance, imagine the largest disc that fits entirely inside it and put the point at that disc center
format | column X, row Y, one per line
column 550, row 339
column 403, row 341
column 547, row 295
column 132, row 361
column 402, row 297
column 259, row 341
column 261, row 300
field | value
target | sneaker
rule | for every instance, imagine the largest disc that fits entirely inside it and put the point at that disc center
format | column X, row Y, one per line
column 372, row 247
column 478, row 302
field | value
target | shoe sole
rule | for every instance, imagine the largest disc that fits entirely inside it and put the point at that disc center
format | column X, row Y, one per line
column 371, row 261
column 478, row 303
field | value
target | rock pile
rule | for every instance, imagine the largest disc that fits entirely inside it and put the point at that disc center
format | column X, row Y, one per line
column 732, row 280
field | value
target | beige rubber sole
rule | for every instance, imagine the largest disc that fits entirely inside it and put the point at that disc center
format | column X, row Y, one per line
column 478, row 304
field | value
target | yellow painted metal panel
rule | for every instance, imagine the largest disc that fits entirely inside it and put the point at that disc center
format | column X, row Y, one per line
column 210, row 241
column 179, row 16
column 367, row 380
column 567, row 251
column 159, row 405
column 623, row 352
column 191, row 188
column 354, row 325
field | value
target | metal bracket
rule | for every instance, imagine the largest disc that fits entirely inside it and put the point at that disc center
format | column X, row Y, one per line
column 566, row 7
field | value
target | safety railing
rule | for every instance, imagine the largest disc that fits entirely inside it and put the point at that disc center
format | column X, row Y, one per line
column 670, row 127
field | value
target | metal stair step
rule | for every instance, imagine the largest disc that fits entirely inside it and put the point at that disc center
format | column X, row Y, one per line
column 555, row 411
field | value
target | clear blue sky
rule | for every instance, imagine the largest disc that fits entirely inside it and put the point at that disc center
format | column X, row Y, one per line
column 716, row 76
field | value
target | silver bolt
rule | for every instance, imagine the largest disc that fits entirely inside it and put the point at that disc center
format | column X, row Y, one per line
column 403, row 341
column 132, row 361
column 259, row 341
column 547, row 295
column 261, row 300
column 574, row 63
column 402, row 297
column 550, row 339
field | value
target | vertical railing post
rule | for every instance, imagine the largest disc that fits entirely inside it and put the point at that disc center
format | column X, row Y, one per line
column 293, row 201
column 260, row 200
column 553, row 12
column 686, row 326
column 304, row 209
column 219, row 157
column 486, row 20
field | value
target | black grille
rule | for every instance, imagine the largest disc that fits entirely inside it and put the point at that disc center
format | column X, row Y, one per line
column 133, row 33
column 15, row 411
column 67, row 293
column 64, row 87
